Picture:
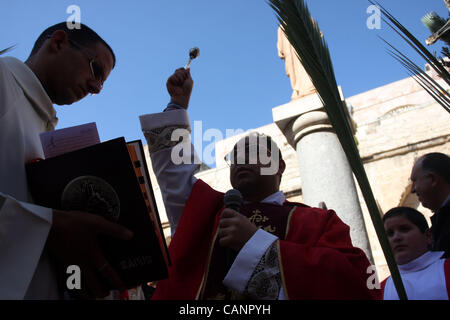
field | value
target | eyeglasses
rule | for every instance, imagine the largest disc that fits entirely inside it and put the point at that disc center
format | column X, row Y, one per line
column 96, row 70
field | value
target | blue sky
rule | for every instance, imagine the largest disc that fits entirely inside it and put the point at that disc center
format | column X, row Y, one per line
column 238, row 77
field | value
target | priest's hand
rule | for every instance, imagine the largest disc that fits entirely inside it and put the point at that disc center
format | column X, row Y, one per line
column 234, row 229
column 179, row 85
column 73, row 241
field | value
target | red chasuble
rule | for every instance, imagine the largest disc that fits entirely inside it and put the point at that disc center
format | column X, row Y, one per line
column 316, row 256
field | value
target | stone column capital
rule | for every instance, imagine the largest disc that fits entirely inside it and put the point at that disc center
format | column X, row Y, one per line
column 310, row 122
column 325, row 172
column 297, row 117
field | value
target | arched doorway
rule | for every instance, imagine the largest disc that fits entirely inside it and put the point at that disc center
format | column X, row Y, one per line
column 411, row 200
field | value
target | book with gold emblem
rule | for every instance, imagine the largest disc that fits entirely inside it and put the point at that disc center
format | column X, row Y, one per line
column 109, row 179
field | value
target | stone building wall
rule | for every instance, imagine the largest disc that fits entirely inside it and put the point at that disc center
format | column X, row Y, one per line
column 397, row 124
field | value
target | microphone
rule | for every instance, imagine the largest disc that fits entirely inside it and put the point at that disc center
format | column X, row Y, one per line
column 232, row 200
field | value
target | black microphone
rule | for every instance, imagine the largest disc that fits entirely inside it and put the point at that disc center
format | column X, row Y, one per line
column 232, row 200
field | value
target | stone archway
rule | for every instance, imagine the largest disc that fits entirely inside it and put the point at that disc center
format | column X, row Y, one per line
column 411, row 200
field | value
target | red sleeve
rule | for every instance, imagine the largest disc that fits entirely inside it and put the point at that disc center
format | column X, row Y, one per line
column 190, row 244
column 383, row 285
column 447, row 275
column 318, row 260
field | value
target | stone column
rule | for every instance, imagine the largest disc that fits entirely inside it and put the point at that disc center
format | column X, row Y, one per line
column 325, row 172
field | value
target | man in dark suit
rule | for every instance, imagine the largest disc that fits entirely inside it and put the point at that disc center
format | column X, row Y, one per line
column 431, row 182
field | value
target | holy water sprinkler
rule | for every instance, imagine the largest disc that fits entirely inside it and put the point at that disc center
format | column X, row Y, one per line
column 193, row 53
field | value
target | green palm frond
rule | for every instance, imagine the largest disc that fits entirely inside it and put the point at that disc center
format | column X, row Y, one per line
column 445, row 52
column 304, row 35
column 6, row 50
column 414, row 43
column 440, row 95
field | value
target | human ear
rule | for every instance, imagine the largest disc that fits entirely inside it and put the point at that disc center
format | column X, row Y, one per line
column 282, row 167
column 434, row 179
column 429, row 237
column 58, row 40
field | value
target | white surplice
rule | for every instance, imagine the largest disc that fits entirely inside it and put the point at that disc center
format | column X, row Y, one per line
column 424, row 278
column 25, row 112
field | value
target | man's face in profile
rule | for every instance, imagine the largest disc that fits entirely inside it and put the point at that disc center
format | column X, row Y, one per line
column 77, row 70
column 422, row 185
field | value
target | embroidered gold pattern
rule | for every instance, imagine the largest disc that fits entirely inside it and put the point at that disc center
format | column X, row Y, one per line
column 270, row 229
column 257, row 217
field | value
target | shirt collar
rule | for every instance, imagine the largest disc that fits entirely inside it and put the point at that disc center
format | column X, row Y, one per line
column 33, row 90
column 446, row 202
column 275, row 198
column 421, row 262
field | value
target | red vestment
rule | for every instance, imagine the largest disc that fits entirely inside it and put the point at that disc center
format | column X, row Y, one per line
column 316, row 258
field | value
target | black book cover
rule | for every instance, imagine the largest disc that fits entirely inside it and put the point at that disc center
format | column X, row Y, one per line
column 100, row 179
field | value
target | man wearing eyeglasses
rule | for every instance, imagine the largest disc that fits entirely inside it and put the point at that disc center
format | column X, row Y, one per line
column 278, row 249
column 64, row 66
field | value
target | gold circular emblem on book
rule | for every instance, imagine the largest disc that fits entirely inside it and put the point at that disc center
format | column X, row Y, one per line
column 91, row 194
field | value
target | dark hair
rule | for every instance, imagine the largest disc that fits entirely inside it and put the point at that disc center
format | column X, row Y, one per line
column 84, row 36
column 411, row 214
column 438, row 163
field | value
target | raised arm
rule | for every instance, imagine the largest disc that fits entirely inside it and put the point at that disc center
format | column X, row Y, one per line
column 173, row 157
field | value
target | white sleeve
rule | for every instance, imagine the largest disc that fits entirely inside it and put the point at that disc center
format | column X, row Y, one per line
column 24, row 228
column 248, row 258
column 175, row 182
column 6, row 89
column 390, row 292
column 174, row 162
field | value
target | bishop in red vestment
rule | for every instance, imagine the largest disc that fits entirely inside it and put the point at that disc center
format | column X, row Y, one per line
column 282, row 250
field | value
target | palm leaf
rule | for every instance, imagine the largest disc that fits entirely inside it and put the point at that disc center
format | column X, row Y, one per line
column 414, row 43
column 440, row 95
column 6, row 50
column 312, row 50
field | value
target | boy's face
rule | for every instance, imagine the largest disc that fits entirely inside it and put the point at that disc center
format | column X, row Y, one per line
column 406, row 239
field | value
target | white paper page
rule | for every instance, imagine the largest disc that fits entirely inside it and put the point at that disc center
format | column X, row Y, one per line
column 64, row 140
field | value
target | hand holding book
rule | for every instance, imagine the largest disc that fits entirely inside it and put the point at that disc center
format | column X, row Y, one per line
column 73, row 241
column 104, row 191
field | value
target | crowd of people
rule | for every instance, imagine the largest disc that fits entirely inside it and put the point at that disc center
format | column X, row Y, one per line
column 264, row 248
